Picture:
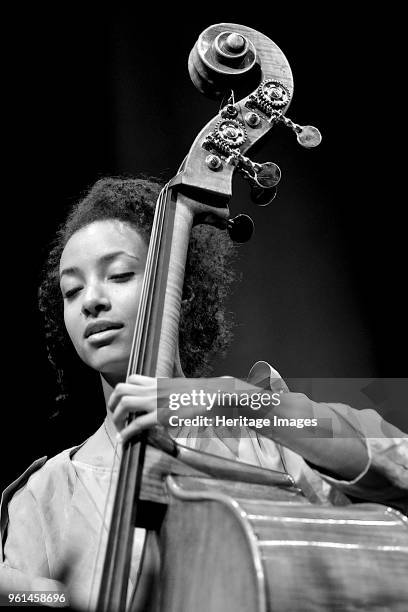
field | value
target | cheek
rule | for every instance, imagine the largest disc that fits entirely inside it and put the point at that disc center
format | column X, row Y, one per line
column 71, row 325
column 127, row 300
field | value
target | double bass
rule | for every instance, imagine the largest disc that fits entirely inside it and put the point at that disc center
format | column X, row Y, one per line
column 222, row 535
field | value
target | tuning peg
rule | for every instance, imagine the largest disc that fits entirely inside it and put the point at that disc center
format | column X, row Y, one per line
column 263, row 197
column 263, row 179
column 307, row 136
column 240, row 228
column 266, row 175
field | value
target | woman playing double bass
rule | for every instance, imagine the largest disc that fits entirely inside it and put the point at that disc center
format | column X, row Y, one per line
column 55, row 518
column 53, row 515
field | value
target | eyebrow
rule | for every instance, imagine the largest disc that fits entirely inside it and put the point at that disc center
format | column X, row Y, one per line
column 105, row 259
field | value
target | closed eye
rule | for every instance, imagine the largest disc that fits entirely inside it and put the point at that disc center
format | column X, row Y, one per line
column 71, row 292
column 122, row 277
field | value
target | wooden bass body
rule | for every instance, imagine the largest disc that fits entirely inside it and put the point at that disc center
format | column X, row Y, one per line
column 221, row 545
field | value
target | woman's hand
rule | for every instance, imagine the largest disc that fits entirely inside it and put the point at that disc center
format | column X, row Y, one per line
column 137, row 396
column 154, row 400
column 149, row 399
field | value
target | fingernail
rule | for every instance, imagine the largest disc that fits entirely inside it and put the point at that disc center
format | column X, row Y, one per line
column 119, row 438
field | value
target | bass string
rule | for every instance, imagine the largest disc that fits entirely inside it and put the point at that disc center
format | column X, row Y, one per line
column 143, row 316
column 146, row 290
column 149, row 279
column 138, row 358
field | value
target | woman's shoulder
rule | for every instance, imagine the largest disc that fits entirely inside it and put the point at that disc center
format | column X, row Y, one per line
column 43, row 474
column 44, row 480
column 50, row 471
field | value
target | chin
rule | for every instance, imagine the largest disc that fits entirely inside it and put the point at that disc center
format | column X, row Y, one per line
column 110, row 367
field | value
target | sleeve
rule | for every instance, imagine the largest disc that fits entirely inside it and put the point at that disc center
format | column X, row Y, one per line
column 23, row 562
column 384, row 479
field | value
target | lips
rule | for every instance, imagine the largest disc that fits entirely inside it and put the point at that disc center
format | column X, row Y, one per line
column 101, row 326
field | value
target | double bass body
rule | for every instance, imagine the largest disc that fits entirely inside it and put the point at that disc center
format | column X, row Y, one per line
column 231, row 546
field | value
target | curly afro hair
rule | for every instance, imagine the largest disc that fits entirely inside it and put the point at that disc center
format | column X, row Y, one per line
column 205, row 326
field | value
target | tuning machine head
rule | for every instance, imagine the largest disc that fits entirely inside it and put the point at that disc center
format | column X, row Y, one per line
column 264, row 179
column 308, row 136
column 272, row 99
column 266, row 175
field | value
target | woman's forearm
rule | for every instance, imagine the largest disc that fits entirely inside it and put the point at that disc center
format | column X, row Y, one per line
column 325, row 439
column 331, row 443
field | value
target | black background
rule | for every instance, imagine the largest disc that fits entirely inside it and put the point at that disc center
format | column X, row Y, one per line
column 107, row 93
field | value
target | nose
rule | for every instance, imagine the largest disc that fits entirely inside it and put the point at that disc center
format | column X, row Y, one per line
column 95, row 301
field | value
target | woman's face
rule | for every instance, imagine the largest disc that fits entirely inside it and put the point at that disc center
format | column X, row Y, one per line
column 101, row 274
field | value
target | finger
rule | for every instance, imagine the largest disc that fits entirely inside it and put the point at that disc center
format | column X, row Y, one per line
column 123, row 389
column 143, row 381
column 131, row 405
column 138, row 425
